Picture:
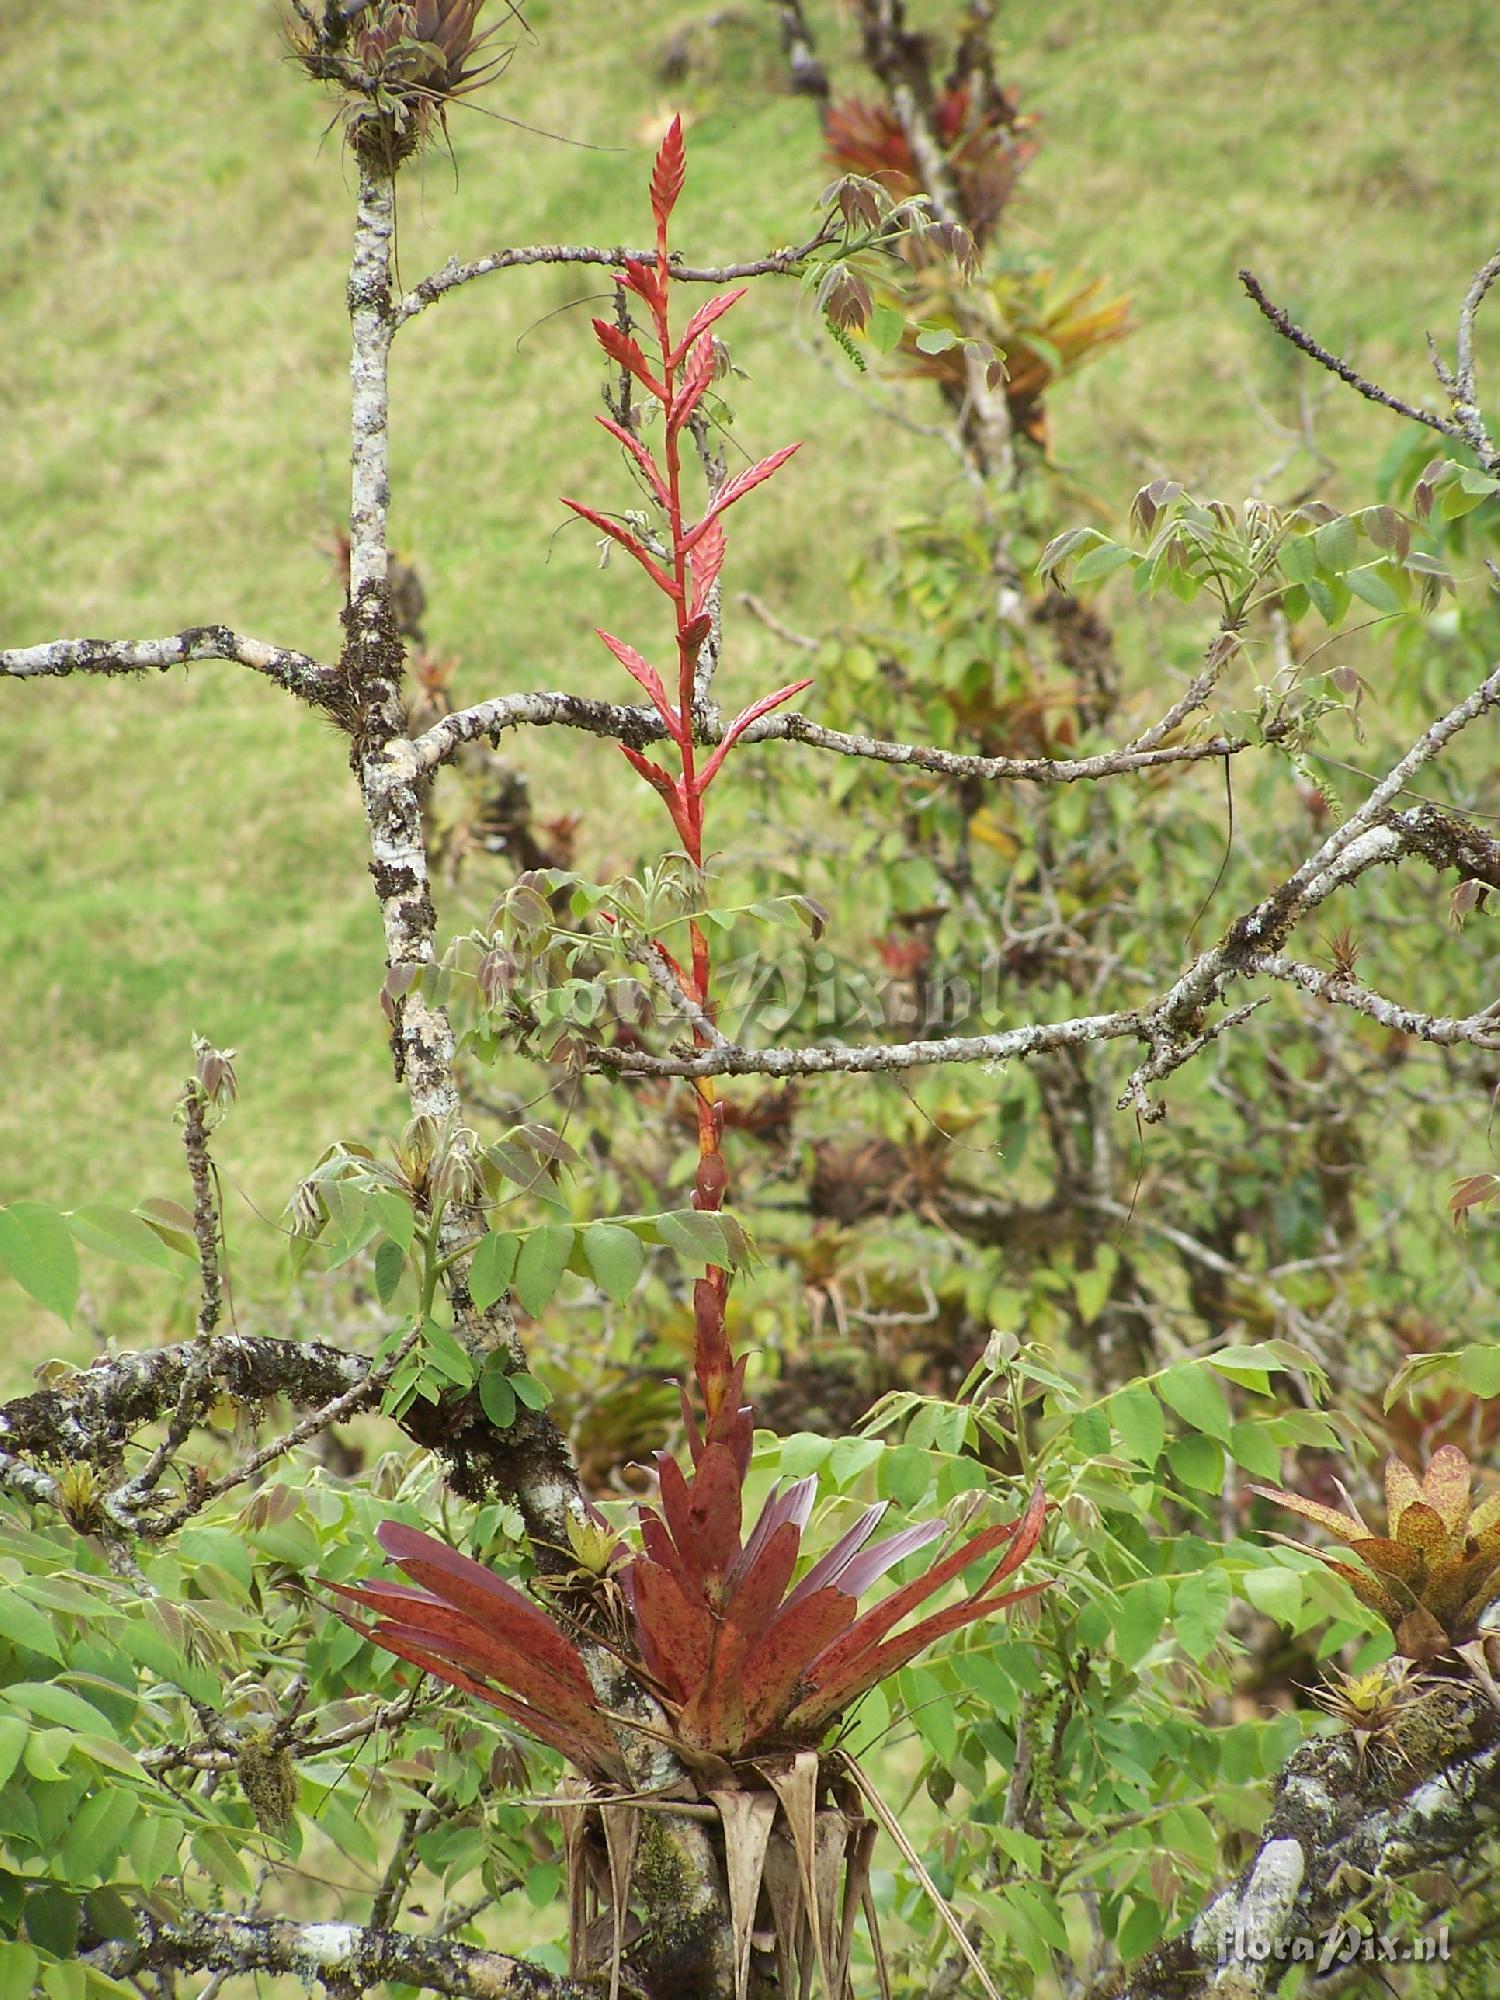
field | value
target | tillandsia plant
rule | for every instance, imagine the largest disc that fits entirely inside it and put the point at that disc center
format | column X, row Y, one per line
column 747, row 1669
column 401, row 64
column 1436, row 1569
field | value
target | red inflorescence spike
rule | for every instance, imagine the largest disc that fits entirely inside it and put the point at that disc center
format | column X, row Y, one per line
column 667, row 176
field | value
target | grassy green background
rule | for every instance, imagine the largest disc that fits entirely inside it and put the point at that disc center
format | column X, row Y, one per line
column 187, row 853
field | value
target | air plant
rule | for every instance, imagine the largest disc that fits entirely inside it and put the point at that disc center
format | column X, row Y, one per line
column 748, row 1667
column 400, row 63
column 1435, row 1571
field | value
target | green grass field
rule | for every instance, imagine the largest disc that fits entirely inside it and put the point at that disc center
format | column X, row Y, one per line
column 187, row 853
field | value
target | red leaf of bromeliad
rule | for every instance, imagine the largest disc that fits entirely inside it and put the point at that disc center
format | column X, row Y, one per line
column 703, row 1513
column 869, row 1669
column 626, row 540
column 1022, row 1534
column 741, row 723
column 675, row 1634
column 477, row 1592
column 794, row 1505
column 762, row 1586
column 641, row 456
column 667, row 175
column 644, row 675
column 781, row 1661
column 622, row 349
column 708, row 563
column 601, row 1753
column 701, row 321
column 741, row 484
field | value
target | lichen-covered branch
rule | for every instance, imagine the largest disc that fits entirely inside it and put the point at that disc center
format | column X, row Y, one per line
column 297, row 672
column 346, row 1958
column 454, row 274
column 1343, row 1826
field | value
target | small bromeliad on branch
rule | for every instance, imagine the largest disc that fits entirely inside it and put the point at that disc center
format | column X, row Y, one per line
column 400, row 63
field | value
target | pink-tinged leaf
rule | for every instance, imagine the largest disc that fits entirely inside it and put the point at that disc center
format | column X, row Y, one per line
column 594, row 1753
column 736, row 488
column 693, row 386
column 626, row 540
column 708, row 563
column 642, row 279
column 1313, row 1510
column 869, row 1567
column 779, row 1664
column 692, row 635
column 645, row 676
column 701, row 321
column 505, row 1659
column 885, row 1616
column 625, row 353
column 674, row 1633
column 667, row 175
column 741, row 723
column 641, row 456
column 795, row 1504
column 762, row 1586
column 476, row 1591
column 828, row 1569
column 835, row 1691
column 660, row 781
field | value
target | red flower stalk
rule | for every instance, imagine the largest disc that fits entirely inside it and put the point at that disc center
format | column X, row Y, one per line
column 678, row 378
column 742, row 1661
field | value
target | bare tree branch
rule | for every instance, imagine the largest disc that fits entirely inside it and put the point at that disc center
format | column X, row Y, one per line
column 297, row 672
column 347, row 1958
column 453, row 274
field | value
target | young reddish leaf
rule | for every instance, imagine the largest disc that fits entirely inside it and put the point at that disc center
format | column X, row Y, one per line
column 641, row 456
column 667, row 176
column 622, row 349
column 642, row 279
column 701, row 321
column 644, row 675
column 708, row 563
column 692, row 635
column 626, row 540
column 698, row 375
column 658, row 779
column 741, row 723
column 736, row 488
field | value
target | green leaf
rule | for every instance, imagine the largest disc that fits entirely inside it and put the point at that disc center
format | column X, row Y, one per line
column 1479, row 1370
column 1142, row 1613
column 697, row 1237
column 539, row 1268
column 13, row 1733
column 1197, row 1398
column 18, row 1971
column 1102, row 562
column 1337, row 545
column 1275, row 1591
column 390, row 1262
column 1198, row 1461
column 1299, row 559
column 37, row 1247
column 497, row 1396
column 1375, row 589
column 886, row 328
column 50, row 1918
column 936, row 340
column 1138, row 1422
column 535, row 1395
column 1200, row 1604
column 852, row 1456
column 115, row 1232
column 1090, row 1431
column 395, row 1215
column 1251, row 1447
column 446, row 1353
column 1140, row 1930
column 905, row 1475
column 615, row 1257
column 490, row 1272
